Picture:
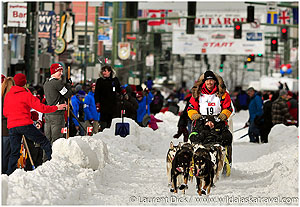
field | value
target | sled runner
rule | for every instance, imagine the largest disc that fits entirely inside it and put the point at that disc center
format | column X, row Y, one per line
column 122, row 128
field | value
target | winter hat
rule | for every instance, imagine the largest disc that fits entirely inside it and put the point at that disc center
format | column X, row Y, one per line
column 2, row 78
column 139, row 94
column 283, row 92
column 81, row 94
column 55, row 67
column 290, row 93
column 209, row 75
column 93, row 85
column 20, row 79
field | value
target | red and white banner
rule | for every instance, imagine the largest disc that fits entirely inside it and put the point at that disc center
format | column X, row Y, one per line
column 16, row 14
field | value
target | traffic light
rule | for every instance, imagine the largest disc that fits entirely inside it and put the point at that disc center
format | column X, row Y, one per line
column 197, row 57
column 250, row 58
column 131, row 9
column 259, row 55
column 157, row 41
column 223, row 58
column 237, row 30
column 284, row 33
column 250, row 13
column 274, row 44
column 221, row 67
column 143, row 27
column 190, row 22
column 245, row 64
column 206, row 59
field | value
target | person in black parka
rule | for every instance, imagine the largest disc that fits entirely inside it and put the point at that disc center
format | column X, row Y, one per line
column 107, row 87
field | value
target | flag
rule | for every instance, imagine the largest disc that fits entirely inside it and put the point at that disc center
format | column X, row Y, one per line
column 272, row 17
column 154, row 14
column 89, row 129
column 295, row 15
column 64, row 130
column 284, row 16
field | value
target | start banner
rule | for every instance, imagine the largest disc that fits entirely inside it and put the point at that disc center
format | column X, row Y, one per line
column 214, row 35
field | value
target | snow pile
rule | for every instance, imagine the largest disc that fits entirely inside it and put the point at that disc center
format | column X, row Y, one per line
column 110, row 170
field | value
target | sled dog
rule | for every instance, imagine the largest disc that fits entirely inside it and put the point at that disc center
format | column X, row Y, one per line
column 170, row 156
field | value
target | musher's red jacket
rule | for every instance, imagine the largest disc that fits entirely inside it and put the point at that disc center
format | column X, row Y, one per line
column 225, row 102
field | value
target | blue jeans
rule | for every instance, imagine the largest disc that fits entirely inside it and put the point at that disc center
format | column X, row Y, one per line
column 15, row 137
column 5, row 153
column 253, row 132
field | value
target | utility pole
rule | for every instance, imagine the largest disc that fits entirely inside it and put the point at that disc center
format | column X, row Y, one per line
column 85, row 41
column 115, row 33
column 36, row 47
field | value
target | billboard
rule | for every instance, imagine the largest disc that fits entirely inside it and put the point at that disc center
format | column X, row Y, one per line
column 47, row 30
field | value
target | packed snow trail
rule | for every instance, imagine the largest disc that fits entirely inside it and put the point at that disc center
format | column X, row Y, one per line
column 109, row 170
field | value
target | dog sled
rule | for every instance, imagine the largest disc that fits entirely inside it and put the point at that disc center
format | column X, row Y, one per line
column 205, row 159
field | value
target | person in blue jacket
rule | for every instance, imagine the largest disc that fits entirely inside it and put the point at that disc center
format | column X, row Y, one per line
column 77, row 107
column 255, row 110
column 91, row 116
column 144, row 99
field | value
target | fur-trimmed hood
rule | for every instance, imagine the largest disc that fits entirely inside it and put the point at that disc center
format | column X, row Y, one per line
column 198, row 84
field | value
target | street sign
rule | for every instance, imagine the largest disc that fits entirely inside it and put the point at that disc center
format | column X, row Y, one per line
column 16, row 14
column 124, row 50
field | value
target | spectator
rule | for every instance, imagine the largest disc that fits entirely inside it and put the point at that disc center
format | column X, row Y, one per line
column 293, row 106
column 2, row 78
column 127, row 103
column 157, row 103
column 144, row 100
column 91, row 116
column 107, row 87
column 149, row 83
column 280, row 110
column 183, row 122
column 77, row 107
column 242, row 100
column 56, row 92
column 255, row 110
column 19, row 120
column 265, row 120
column 5, row 88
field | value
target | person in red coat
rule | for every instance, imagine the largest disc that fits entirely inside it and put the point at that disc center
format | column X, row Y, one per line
column 17, row 105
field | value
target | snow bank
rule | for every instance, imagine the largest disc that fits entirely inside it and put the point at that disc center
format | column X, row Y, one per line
column 110, row 170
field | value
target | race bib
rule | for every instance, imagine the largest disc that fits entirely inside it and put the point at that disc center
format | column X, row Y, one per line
column 209, row 104
column 63, row 91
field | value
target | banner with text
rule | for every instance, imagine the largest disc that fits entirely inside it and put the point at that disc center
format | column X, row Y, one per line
column 214, row 35
column 16, row 14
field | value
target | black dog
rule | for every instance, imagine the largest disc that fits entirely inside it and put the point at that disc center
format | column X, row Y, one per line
column 203, row 170
column 181, row 166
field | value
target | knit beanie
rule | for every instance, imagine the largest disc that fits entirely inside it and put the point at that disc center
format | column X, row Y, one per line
column 209, row 75
column 20, row 79
column 81, row 94
column 55, row 67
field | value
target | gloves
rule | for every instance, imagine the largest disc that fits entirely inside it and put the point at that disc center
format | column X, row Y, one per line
column 68, row 80
column 222, row 116
column 247, row 124
column 196, row 116
column 98, row 107
column 39, row 124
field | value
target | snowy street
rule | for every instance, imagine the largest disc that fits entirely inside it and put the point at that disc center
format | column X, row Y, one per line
column 109, row 170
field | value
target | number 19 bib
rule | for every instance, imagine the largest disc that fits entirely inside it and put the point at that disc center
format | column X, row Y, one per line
column 209, row 104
